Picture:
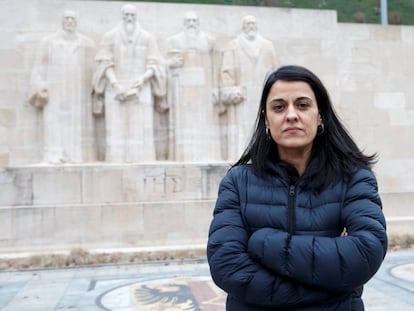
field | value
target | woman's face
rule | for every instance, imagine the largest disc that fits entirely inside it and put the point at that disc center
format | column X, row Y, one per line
column 292, row 117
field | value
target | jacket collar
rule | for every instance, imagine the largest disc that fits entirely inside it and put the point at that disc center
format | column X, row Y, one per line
column 286, row 170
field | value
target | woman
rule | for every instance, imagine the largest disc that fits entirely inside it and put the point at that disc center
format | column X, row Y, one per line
column 298, row 223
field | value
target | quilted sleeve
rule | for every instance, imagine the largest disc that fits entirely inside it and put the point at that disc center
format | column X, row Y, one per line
column 235, row 272
column 338, row 263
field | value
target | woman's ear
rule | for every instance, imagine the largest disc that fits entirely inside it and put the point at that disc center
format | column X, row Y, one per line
column 265, row 118
column 319, row 119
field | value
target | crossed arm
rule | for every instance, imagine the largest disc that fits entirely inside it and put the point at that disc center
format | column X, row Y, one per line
column 261, row 270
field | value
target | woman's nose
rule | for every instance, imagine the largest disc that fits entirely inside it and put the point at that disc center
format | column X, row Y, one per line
column 291, row 114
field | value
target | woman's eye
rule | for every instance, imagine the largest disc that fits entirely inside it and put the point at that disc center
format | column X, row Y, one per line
column 278, row 107
column 302, row 105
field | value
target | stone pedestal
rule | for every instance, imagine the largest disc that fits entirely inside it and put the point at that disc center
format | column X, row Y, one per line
column 107, row 206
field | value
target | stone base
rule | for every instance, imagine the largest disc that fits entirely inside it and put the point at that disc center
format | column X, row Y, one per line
column 106, row 206
column 124, row 206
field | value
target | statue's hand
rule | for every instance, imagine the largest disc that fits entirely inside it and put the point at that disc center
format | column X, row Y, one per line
column 237, row 98
column 176, row 61
column 119, row 91
column 39, row 98
column 138, row 83
column 43, row 94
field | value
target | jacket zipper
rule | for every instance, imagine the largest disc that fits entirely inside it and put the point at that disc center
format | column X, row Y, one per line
column 291, row 210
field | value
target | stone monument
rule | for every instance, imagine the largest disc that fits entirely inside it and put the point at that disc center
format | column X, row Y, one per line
column 60, row 87
column 129, row 75
column 246, row 60
column 194, row 123
column 154, row 189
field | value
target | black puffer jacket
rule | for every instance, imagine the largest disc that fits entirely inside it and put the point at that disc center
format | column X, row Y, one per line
column 276, row 246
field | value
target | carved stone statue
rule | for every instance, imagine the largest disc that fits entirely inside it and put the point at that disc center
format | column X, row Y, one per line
column 129, row 76
column 194, row 122
column 245, row 61
column 60, row 86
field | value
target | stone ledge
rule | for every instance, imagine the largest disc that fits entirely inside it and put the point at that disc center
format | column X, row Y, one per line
column 176, row 253
column 102, row 184
column 82, row 257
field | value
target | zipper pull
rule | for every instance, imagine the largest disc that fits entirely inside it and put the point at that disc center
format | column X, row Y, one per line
column 291, row 210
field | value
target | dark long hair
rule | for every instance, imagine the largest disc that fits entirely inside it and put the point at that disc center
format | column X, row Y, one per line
column 336, row 151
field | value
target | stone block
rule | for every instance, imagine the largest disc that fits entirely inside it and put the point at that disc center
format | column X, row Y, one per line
column 16, row 187
column 96, row 206
column 7, row 118
column 102, row 184
column 381, row 33
column 407, row 34
column 54, row 186
column 4, row 159
column 354, row 32
column 6, row 225
column 396, row 175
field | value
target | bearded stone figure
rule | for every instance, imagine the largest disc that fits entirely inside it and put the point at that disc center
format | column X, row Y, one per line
column 129, row 76
column 60, row 89
column 194, row 121
column 245, row 62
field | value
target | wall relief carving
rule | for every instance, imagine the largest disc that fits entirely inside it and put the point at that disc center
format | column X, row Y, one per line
column 61, row 88
column 128, row 100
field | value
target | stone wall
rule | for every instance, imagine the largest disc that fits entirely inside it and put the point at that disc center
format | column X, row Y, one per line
column 368, row 69
column 106, row 206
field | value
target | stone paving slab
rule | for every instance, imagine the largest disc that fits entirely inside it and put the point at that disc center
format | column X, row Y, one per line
column 169, row 286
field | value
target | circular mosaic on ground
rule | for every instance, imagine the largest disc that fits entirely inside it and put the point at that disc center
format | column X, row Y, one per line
column 174, row 294
column 404, row 272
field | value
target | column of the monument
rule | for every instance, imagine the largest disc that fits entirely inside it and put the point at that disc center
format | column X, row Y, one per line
column 220, row 107
column 175, row 61
column 90, row 124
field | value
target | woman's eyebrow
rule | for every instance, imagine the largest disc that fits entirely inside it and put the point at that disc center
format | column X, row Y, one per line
column 276, row 99
column 303, row 97
column 279, row 99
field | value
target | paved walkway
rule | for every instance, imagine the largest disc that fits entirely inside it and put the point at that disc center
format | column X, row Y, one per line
column 169, row 286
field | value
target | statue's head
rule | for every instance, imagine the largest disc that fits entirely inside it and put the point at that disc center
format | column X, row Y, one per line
column 129, row 16
column 250, row 26
column 191, row 21
column 69, row 20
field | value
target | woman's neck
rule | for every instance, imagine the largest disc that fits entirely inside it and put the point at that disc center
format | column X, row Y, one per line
column 298, row 158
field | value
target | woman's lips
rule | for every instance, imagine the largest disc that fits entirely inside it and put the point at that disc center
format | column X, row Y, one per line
column 292, row 129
